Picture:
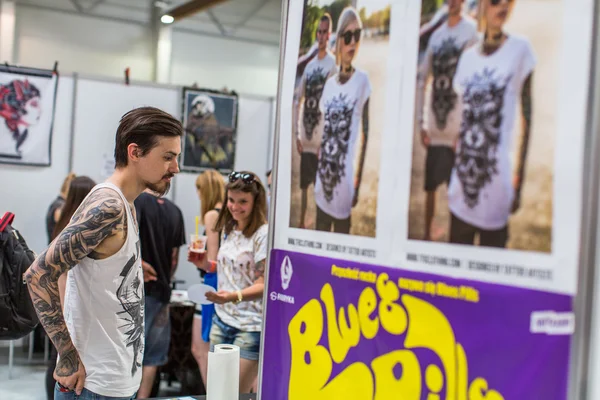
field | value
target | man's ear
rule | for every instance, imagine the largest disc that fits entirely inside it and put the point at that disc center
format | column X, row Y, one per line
column 133, row 152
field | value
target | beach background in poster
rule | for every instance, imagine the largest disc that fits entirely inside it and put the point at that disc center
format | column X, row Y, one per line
column 530, row 228
column 490, row 322
column 28, row 101
column 372, row 57
column 210, row 122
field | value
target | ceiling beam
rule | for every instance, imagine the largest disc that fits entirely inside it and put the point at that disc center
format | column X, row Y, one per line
column 77, row 5
column 218, row 23
column 192, row 7
column 251, row 14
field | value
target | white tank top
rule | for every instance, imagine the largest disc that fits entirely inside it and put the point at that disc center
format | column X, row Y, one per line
column 104, row 312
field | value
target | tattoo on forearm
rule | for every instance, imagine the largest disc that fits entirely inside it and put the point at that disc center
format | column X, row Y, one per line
column 99, row 217
column 526, row 106
column 363, row 149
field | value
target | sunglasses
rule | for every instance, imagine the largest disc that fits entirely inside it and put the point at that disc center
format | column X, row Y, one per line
column 246, row 178
column 496, row 2
column 348, row 35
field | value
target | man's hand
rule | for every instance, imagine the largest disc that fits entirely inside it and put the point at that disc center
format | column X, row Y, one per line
column 70, row 372
column 149, row 272
column 221, row 297
column 299, row 146
column 425, row 139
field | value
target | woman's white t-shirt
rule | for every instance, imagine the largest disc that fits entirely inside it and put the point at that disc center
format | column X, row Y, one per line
column 236, row 270
column 342, row 107
column 481, row 190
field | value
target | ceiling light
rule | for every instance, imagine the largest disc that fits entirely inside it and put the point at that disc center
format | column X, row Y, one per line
column 167, row 19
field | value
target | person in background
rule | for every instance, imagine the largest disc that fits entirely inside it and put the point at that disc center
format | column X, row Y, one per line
column 439, row 133
column 345, row 107
column 162, row 232
column 52, row 214
column 210, row 187
column 240, row 268
column 100, row 336
column 77, row 190
column 494, row 80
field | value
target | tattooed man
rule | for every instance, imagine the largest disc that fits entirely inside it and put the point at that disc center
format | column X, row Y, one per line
column 100, row 336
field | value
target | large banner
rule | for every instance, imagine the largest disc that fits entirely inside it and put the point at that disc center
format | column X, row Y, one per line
column 345, row 330
column 27, row 99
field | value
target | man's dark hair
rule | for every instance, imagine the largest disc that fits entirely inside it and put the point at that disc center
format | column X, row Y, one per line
column 327, row 17
column 143, row 126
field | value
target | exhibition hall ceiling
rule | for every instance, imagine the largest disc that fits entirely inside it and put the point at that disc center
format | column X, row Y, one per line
column 247, row 20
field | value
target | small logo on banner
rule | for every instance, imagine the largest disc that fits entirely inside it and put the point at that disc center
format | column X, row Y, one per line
column 282, row 297
column 286, row 272
column 552, row 323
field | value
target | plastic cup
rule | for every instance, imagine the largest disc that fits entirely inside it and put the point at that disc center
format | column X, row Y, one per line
column 197, row 247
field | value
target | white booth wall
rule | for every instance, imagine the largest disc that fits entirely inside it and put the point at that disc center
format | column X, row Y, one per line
column 103, row 47
column 94, row 109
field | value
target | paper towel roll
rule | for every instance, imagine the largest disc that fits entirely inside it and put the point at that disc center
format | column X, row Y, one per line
column 223, row 377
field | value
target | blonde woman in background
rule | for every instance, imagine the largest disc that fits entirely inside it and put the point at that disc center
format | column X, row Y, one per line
column 210, row 187
column 344, row 105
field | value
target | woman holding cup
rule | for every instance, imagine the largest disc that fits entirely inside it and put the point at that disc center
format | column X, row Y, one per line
column 203, row 253
column 240, row 268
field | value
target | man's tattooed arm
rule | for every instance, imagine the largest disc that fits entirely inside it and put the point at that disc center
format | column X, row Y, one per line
column 363, row 151
column 100, row 216
column 526, row 107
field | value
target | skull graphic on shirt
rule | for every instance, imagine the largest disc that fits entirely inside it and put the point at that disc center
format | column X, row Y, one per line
column 334, row 147
column 443, row 99
column 476, row 160
column 315, row 82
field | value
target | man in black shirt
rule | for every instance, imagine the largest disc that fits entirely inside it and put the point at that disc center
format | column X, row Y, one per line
column 162, row 232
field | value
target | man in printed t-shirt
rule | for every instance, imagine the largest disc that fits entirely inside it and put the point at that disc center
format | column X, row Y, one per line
column 310, row 127
column 440, row 132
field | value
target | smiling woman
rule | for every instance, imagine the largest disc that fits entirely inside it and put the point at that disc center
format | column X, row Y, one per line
column 240, row 272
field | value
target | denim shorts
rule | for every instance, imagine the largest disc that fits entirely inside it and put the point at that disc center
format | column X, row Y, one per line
column 85, row 395
column 248, row 342
column 157, row 331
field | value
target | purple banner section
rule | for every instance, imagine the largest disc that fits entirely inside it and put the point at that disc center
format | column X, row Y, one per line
column 342, row 330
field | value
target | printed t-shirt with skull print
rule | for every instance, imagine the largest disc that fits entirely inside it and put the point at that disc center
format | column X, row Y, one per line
column 236, row 270
column 481, row 190
column 342, row 107
column 310, row 123
column 443, row 52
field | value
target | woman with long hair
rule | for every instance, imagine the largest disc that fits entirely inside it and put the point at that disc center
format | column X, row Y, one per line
column 53, row 212
column 344, row 105
column 78, row 189
column 210, row 187
column 493, row 78
column 240, row 268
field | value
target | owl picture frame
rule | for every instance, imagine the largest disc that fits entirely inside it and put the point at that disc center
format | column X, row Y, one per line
column 210, row 130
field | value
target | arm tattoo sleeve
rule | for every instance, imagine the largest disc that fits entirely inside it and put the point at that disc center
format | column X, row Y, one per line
column 363, row 148
column 526, row 106
column 99, row 217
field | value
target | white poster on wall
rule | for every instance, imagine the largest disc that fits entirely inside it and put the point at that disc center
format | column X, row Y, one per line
column 408, row 139
column 27, row 99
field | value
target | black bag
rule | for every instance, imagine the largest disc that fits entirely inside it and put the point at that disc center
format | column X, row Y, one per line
column 17, row 315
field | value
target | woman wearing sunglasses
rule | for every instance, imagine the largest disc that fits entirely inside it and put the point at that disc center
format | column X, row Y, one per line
column 240, row 272
column 493, row 79
column 344, row 105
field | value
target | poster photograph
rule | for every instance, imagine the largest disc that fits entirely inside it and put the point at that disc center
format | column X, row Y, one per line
column 338, row 116
column 497, row 118
column 27, row 100
column 337, row 108
column 344, row 330
column 210, row 123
